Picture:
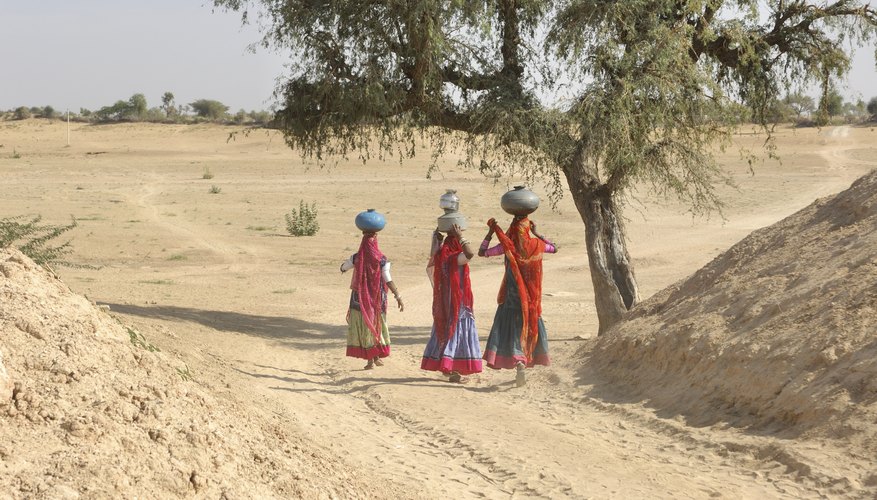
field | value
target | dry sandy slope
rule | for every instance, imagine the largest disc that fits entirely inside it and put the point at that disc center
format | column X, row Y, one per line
column 97, row 412
column 213, row 280
column 778, row 335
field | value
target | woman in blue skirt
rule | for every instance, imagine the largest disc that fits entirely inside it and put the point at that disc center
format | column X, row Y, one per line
column 518, row 338
column 453, row 347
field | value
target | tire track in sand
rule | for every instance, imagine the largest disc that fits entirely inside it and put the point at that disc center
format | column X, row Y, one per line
column 195, row 235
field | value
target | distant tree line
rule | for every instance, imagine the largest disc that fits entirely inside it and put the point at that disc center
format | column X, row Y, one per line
column 796, row 108
column 803, row 110
column 136, row 109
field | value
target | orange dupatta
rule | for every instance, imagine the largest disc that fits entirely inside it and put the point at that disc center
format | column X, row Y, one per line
column 524, row 255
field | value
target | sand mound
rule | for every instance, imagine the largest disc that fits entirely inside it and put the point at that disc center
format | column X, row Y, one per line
column 778, row 333
column 87, row 409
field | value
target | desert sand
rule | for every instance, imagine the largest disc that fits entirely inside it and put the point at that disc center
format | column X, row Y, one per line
column 249, row 324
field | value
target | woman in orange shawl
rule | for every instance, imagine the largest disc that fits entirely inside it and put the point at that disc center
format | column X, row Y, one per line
column 518, row 338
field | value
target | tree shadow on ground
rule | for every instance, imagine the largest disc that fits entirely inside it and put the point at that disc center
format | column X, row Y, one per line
column 291, row 332
column 343, row 385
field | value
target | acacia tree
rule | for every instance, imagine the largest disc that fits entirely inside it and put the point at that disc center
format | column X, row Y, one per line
column 210, row 109
column 800, row 104
column 167, row 104
column 650, row 84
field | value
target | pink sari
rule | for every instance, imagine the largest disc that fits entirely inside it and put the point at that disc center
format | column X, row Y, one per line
column 368, row 284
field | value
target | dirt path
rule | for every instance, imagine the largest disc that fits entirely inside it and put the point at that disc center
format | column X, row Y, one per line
column 262, row 315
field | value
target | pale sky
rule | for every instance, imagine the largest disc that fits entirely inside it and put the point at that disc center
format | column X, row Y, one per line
column 74, row 54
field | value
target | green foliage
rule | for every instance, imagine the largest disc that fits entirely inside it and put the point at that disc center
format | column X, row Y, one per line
column 214, row 189
column 212, row 110
column 48, row 112
column 872, row 106
column 606, row 95
column 834, row 103
column 133, row 109
column 138, row 340
column 830, row 105
column 167, row 103
column 34, row 239
column 115, row 112
column 207, row 173
column 185, row 373
column 645, row 89
column 303, row 222
column 137, row 106
column 800, row 104
column 22, row 113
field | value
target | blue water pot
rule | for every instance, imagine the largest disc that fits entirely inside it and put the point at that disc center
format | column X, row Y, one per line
column 370, row 221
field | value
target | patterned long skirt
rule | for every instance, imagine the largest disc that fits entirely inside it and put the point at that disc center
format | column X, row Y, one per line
column 503, row 348
column 361, row 341
column 461, row 353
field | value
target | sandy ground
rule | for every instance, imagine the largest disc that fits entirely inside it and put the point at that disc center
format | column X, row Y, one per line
column 215, row 280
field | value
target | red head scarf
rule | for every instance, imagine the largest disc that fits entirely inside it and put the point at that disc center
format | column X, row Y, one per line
column 368, row 284
column 524, row 254
column 448, row 293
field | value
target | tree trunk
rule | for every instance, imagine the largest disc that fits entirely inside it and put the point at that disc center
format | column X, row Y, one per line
column 615, row 288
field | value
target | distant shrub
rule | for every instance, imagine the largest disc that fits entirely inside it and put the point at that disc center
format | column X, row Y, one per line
column 214, row 189
column 34, row 239
column 209, row 109
column 304, row 221
column 207, row 173
column 22, row 113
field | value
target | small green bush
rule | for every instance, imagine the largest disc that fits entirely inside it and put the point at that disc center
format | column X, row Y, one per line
column 138, row 340
column 214, row 189
column 304, row 221
column 33, row 238
column 207, row 173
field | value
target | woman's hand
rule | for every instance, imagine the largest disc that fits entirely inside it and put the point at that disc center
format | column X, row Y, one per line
column 399, row 303
column 533, row 230
column 455, row 231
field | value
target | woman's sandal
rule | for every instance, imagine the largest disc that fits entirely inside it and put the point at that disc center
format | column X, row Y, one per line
column 455, row 377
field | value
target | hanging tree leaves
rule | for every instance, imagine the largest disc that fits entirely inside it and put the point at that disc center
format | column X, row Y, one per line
column 603, row 95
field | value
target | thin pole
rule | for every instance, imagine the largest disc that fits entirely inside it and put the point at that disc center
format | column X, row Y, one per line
column 68, row 126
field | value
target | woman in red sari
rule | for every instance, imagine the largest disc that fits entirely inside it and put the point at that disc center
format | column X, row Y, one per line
column 453, row 347
column 518, row 338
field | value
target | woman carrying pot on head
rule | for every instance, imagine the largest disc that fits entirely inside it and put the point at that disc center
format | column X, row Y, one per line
column 518, row 338
column 367, row 334
column 453, row 347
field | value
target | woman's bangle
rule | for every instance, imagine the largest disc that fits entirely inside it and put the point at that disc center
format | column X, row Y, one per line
column 464, row 241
